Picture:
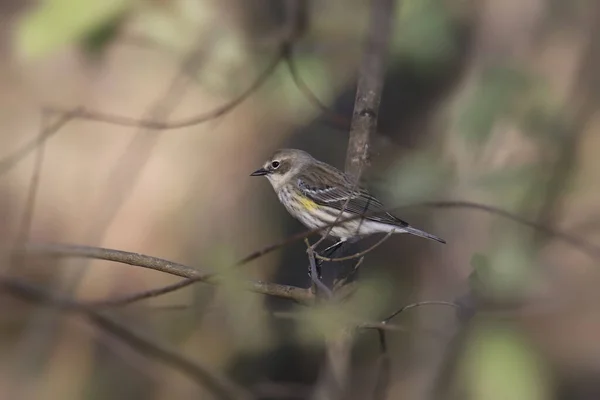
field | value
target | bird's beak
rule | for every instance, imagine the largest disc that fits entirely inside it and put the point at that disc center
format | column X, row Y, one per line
column 259, row 172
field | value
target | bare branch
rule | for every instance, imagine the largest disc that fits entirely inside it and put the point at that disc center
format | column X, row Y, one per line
column 294, row 293
column 370, row 85
column 218, row 384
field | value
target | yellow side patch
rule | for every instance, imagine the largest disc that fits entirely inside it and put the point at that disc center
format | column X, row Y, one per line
column 308, row 203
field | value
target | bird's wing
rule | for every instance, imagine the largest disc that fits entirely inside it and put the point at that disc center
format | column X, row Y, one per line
column 360, row 201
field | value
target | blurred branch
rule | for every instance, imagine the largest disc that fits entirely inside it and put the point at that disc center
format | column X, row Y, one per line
column 27, row 219
column 218, row 384
column 136, row 297
column 339, row 121
column 384, row 368
column 579, row 243
column 383, row 376
column 92, row 115
column 583, row 104
column 297, row 294
column 586, row 247
column 8, row 162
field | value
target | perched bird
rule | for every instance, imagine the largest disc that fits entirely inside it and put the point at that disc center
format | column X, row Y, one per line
column 315, row 193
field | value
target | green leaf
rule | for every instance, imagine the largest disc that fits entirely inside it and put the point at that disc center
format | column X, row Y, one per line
column 55, row 23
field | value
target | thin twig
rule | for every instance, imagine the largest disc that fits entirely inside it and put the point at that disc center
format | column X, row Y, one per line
column 588, row 248
column 420, row 304
column 133, row 298
column 27, row 219
column 341, row 213
column 383, row 376
column 339, row 121
column 8, row 162
column 359, row 254
column 97, row 116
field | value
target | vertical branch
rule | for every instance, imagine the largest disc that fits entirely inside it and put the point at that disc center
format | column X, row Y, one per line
column 370, row 85
column 364, row 123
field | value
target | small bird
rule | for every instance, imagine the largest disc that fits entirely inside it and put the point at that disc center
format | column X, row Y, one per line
column 315, row 193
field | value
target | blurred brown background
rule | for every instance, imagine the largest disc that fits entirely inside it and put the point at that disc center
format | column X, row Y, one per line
column 493, row 102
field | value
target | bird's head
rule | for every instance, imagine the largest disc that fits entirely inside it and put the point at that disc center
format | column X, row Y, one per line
column 283, row 165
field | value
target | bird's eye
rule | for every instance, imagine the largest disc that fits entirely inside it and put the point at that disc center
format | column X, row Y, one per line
column 275, row 164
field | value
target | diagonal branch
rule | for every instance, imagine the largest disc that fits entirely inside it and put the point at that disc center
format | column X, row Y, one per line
column 8, row 162
column 219, row 385
column 294, row 293
column 156, row 124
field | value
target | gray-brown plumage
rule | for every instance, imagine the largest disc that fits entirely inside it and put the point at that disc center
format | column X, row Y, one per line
column 315, row 193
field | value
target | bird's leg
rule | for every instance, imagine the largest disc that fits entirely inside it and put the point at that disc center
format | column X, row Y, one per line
column 328, row 252
column 314, row 269
column 318, row 272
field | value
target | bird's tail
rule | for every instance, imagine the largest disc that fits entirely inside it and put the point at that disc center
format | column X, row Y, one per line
column 420, row 233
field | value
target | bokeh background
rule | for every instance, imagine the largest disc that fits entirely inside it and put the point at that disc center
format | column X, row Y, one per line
column 490, row 101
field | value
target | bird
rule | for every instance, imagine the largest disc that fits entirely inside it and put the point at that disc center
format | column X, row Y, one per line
column 315, row 193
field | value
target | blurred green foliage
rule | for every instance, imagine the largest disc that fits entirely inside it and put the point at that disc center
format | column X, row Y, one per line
column 366, row 303
column 423, row 32
column 516, row 187
column 496, row 96
column 500, row 364
column 55, row 23
column 317, row 76
column 244, row 309
column 510, row 267
column 417, row 176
